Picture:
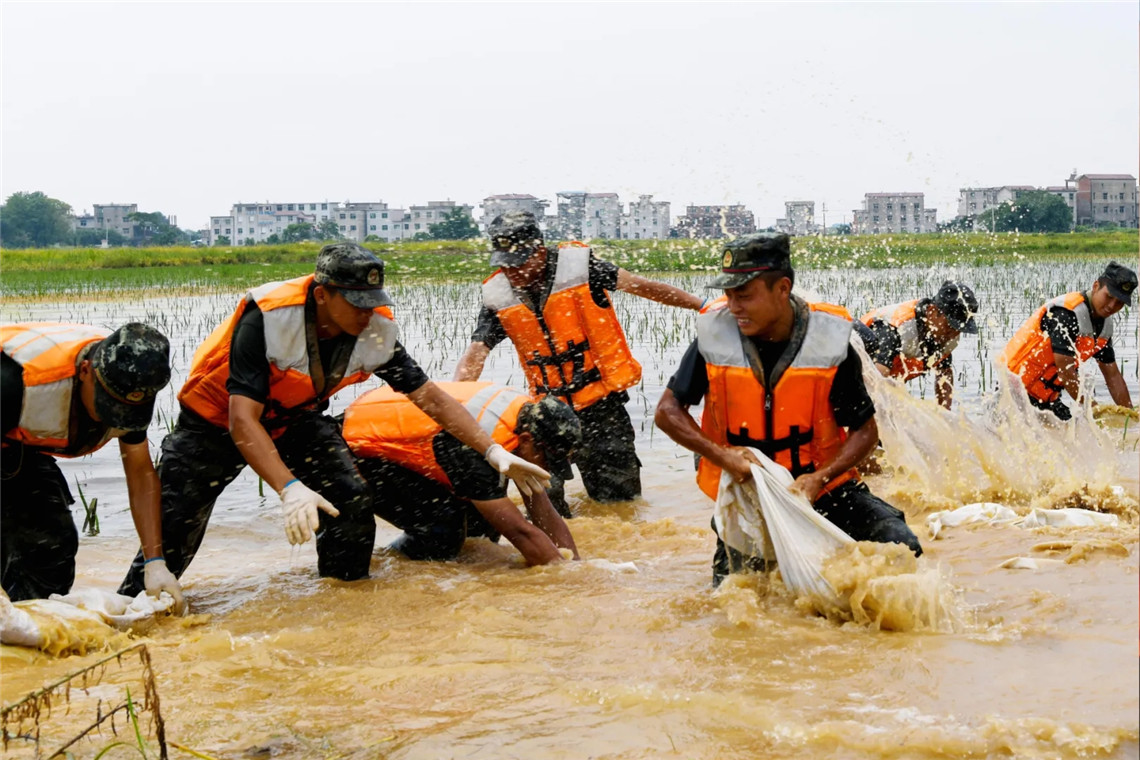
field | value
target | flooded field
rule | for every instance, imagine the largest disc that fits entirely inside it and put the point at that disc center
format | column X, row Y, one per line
column 630, row 653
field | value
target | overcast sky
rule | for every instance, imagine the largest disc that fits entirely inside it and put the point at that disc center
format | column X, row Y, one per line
column 189, row 108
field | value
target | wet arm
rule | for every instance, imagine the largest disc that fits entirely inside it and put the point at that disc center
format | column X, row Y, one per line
column 860, row 442
column 1117, row 388
column 254, row 443
column 451, row 416
column 1067, row 374
column 944, row 385
column 543, row 514
column 673, row 419
column 144, row 492
column 654, row 290
column 534, row 545
column 470, row 365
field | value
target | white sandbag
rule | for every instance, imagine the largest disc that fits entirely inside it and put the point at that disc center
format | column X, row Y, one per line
column 739, row 521
column 613, row 567
column 983, row 511
column 117, row 610
column 1070, row 517
column 785, row 525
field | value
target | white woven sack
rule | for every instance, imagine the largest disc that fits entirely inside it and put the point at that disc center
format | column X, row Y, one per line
column 802, row 538
column 738, row 519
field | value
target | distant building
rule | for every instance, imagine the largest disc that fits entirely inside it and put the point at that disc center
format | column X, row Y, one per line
column 494, row 205
column 1106, row 199
column 357, row 220
column 423, row 217
column 799, row 218
column 253, row 223
column 113, row 216
column 974, row 201
column 647, row 220
column 884, row 213
column 588, row 216
column 715, row 222
column 85, row 221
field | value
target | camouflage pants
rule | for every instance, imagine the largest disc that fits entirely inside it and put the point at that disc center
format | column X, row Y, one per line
column 435, row 521
column 199, row 460
column 853, row 509
column 38, row 539
column 607, row 459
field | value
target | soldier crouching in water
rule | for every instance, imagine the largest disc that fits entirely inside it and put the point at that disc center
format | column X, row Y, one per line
column 778, row 374
column 441, row 492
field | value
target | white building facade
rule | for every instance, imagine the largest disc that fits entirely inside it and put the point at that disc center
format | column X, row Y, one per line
column 647, row 219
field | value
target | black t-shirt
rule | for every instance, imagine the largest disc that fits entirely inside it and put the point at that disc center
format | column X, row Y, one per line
column 470, row 475
column 883, row 343
column 89, row 431
column 603, row 277
column 249, row 366
column 1060, row 324
column 850, row 402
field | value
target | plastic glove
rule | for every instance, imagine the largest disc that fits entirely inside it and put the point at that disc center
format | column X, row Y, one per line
column 158, row 578
column 528, row 477
column 300, row 504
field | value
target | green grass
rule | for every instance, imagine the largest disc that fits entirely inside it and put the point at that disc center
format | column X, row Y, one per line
column 33, row 272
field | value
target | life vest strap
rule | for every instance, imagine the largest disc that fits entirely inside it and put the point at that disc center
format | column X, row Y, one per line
column 575, row 354
column 790, row 443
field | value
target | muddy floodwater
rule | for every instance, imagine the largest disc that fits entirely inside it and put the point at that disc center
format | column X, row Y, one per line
column 630, row 653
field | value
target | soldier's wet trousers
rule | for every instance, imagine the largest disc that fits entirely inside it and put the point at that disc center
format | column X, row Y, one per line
column 607, row 460
column 853, row 509
column 199, row 460
column 434, row 521
column 38, row 539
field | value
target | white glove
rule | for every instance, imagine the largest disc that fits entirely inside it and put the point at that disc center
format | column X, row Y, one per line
column 300, row 504
column 528, row 477
column 158, row 578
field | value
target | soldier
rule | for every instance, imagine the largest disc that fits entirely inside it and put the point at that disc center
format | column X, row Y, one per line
column 1046, row 352
column 554, row 305
column 257, row 388
column 908, row 339
column 66, row 391
column 777, row 374
column 440, row 492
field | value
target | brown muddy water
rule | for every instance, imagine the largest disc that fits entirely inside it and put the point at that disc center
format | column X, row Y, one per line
column 630, row 653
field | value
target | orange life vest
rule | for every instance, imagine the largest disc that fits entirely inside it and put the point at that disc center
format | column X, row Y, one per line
column 1029, row 353
column 50, row 354
column 912, row 359
column 575, row 349
column 291, row 368
column 383, row 423
column 793, row 424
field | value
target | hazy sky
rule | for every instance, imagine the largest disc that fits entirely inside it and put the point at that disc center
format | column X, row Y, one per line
column 188, row 108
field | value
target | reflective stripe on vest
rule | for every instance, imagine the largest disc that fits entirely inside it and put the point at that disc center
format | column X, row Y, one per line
column 291, row 386
column 575, row 350
column 1029, row 353
column 49, row 354
column 912, row 360
column 794, row 424
column 387, row 425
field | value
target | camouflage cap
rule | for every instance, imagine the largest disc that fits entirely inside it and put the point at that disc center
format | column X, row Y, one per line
column 556, row 430
column 515, row 236
column 355, row 271
column 749, row 256
column 1120, row 281
column 131, row 365
column 959, row 305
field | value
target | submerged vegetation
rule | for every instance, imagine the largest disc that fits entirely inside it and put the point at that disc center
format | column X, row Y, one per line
column 36, row 271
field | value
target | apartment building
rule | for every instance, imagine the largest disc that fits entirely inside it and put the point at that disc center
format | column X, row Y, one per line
column 885, row 213
column 973, row 201
column 494, row 205
column 422, row 218
column 1106, row 199
column 588, row 216
column 647, row 219
column 113, row 216
column 715, row 222
column 253, row 223
column 798, row 219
